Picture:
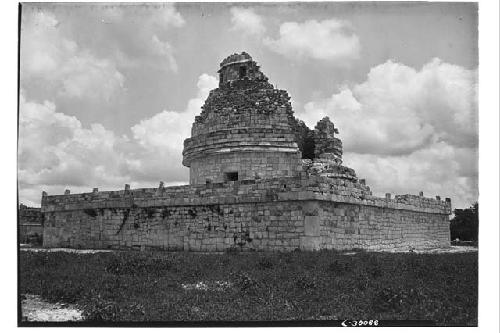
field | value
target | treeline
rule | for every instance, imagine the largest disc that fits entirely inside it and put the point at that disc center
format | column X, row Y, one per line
column 465, row 224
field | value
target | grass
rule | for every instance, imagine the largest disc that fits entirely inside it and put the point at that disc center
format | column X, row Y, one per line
column 147, row 286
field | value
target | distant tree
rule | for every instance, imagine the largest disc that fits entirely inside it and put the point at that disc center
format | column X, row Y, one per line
column 465, row 224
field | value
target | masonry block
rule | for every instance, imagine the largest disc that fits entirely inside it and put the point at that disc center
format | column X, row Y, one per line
column 312, row 226
column 310, row 243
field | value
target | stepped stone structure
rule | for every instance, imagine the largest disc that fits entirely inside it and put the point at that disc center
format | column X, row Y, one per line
column 260, row 180
column 243, row 131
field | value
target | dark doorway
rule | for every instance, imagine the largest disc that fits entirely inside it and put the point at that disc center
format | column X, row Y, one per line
column 243, row 72
column 231, row 176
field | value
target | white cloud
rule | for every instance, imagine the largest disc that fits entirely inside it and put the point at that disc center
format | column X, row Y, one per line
column 57, row 152
column 162, row 136
column 245, row 20
column 165, row 50
column 54, row 149
column 47, row 55
column 331, row 40
column 166, row 16
column 139, row 35
column 407, row 130
column 168, row 129
column 438, row 169
column 81, row 75
column 398, row 109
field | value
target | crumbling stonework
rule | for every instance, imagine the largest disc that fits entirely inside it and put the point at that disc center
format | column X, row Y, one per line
column 305, row 212
column 250, row 189
column 327, row 146
column 243, row 130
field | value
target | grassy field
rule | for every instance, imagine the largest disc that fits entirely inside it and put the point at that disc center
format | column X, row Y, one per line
column 159, row 286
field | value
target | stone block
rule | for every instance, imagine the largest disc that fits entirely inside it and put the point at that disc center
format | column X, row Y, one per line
column 312, row 226
column 310, row 243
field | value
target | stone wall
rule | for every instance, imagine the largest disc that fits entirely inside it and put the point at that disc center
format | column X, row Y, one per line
column 345, row 226
column 326, row 145
column 238, row 67
column 248, row 121
column 248, row 165
column 305, row 212
column 30, row 221
column 212, row 227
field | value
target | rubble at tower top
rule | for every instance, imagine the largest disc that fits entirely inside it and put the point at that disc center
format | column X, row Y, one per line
column 247, row 129
column 236, row 58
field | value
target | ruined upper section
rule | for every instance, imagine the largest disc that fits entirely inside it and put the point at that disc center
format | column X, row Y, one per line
column 239, row 67
column 244, row 129
column 247, row 130
column 327, row 146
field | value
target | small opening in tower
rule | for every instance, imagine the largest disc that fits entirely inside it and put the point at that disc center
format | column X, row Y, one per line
column 243, row 72
column 231, row 176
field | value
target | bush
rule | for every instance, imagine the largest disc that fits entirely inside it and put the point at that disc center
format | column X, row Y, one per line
column 123, row 265
column 265, row 263
column 98, row 309
column 465, row 224
column 339, row 268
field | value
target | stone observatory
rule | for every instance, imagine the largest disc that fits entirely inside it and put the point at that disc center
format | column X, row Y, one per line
column 244, row 130
column 260, row 180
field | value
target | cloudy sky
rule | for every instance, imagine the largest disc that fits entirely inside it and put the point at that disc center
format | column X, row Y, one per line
column 109, row 92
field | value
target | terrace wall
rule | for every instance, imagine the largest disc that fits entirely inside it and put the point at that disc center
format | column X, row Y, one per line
column 284, row 214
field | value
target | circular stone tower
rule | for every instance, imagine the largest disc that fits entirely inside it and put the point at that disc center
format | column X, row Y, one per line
column 243, row 131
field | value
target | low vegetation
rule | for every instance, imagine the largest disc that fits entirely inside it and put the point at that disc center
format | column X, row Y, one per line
column 159, row 286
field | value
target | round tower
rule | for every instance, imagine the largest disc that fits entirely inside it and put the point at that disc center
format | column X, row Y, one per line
column 243, row 131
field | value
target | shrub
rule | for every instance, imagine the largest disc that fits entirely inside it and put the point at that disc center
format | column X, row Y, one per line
column 98, row 309
column 465, row 224
column 123, row 265
column 305, row 282
column 339, row 268
column 265, row 263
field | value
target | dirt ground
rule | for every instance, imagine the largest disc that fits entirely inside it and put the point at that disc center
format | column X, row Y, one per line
column 451, row 249
column 34, row 309
column 85, row 251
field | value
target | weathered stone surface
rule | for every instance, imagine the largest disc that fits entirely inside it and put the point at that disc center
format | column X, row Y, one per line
column 312, row 226
column 243, row 129
column 327, row 146
column 250, row 189
column 309, row 243
column 266, row 214
column 30, row 223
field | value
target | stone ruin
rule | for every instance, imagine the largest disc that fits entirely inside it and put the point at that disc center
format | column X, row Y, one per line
column 260, row 180
column 30, row 224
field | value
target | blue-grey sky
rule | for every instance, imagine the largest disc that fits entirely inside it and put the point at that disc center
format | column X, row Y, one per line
column 109, row 92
